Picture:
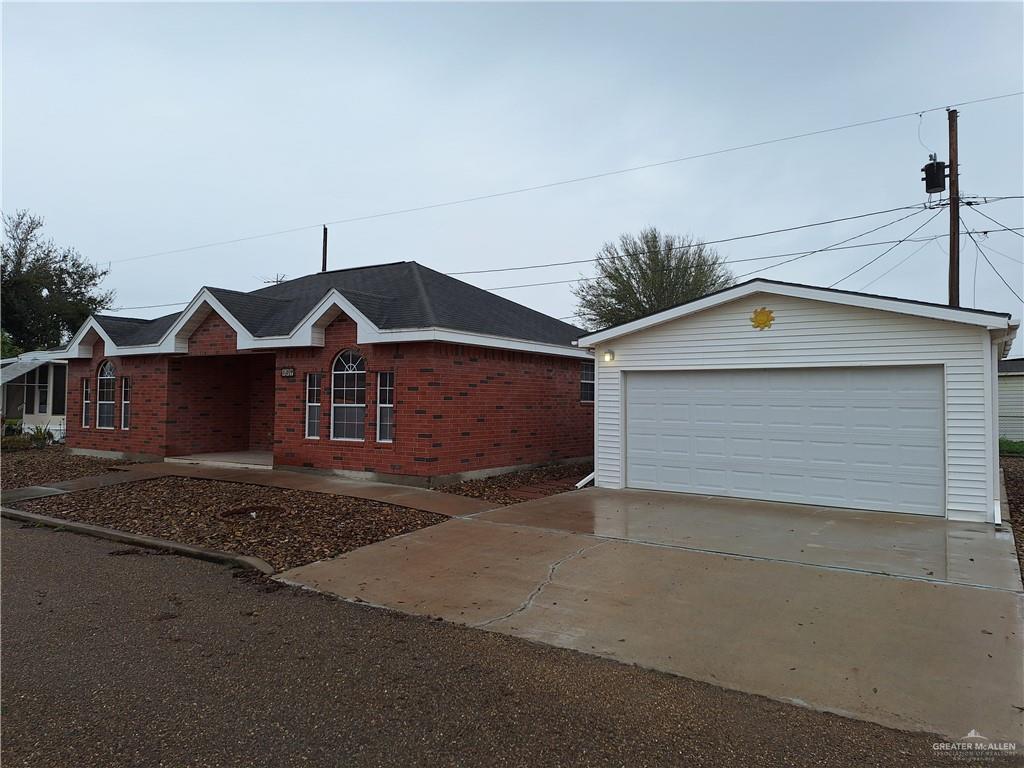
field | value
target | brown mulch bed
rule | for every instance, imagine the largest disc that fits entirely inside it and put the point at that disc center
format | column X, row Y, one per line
column 515, row 487
column 1013, row 474
column 287, row 528
column 41, row 466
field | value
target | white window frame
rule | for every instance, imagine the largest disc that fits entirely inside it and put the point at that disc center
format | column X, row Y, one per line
column 86, row 403
column 588, row 366
column 388, row 376
column 126, row 402
column 319, row 390
column 355, row 366
column 106, row 372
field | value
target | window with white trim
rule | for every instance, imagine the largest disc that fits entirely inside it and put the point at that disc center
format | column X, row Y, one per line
column 86, row 403
column 348, row 397
column 385, row 407
column 587, row 381
column 106, row 382
column 126, row 402
column 314, row 383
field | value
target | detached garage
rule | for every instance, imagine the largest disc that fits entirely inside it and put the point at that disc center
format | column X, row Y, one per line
column 784, row 392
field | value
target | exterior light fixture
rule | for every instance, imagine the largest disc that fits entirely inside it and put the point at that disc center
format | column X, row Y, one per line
column 609, row 355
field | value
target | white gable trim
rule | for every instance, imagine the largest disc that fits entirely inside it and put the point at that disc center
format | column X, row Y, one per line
column 308, row 333
column 992, row 322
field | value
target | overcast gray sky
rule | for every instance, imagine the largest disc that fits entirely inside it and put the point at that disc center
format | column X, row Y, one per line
column 136, row 128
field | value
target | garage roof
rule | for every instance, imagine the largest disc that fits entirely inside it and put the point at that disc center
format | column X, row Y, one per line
column 983, row 318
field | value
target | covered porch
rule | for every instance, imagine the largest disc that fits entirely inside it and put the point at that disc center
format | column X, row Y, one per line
column 221, row 409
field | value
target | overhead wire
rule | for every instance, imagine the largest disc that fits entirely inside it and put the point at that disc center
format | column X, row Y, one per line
column 563, row 182
column 993, row 268
column 891, row 248
column 900, row 263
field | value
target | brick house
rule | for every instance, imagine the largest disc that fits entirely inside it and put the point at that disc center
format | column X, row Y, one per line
column 393, row 371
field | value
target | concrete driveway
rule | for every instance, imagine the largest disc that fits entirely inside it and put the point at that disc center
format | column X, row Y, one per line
column 907, row 621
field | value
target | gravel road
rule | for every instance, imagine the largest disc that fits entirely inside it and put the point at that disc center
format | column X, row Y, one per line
column 113, row 656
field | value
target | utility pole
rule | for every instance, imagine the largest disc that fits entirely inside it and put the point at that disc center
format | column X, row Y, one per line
column 954, row 214
column 324, row 267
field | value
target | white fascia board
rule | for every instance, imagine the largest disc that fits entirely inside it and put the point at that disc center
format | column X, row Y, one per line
column 169, row 342
column 308, row 332
column 474, row 340
column 799, row 292
column 76, row 347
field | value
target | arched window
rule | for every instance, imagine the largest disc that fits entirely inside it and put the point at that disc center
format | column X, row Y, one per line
column 348, row 397
column 105, row 386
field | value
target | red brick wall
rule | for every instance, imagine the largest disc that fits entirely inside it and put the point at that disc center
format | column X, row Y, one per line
column 262, row 372
column 456, row 409
column 149, row 400
column 213, row 401
column 213, row 337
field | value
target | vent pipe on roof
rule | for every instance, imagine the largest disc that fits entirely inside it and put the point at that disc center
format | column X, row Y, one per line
column 324, row 267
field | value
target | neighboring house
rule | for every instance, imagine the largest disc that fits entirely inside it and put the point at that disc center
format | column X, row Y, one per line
column 1011, row 399
column 34, row 392
column 791, row 393
column 393, row 371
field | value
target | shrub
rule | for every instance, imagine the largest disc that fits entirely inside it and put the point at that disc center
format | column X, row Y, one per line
column 40, row 436
column 15, row 442
column 1009, row 447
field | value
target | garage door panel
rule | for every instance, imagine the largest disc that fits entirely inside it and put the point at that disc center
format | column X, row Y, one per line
column 862, row 438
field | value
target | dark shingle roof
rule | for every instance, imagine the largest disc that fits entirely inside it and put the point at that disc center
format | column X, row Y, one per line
column 401, row 295
column 1012, row 365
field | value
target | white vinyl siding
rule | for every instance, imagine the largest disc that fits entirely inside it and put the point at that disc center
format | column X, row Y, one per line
column 808, row 333
column 1011, row 406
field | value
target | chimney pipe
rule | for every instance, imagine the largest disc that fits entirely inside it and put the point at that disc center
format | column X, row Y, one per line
column 324, row 267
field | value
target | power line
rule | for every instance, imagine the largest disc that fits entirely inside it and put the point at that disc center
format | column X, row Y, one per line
column 998, row 273
column 702, row 242
column 973, row 207
column 883, row 253
column 841, row 242
column 575, row 180
column 900, row 263
column 1006, row 256
column 758, row 258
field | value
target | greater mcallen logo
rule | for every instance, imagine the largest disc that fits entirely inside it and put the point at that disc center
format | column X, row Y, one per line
column 974, row 746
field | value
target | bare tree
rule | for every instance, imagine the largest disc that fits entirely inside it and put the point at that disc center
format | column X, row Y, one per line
column 646, row 273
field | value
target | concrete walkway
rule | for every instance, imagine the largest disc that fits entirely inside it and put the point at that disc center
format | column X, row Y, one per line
column 913, row 651
column 400, row 495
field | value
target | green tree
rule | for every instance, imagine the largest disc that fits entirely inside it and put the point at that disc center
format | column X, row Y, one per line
column 7, row 347
column 47, row 291
column 646, row 273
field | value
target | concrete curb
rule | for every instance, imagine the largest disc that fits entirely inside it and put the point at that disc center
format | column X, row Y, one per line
column 187, row 550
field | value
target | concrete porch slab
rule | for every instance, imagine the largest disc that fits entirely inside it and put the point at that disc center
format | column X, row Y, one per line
column 903, row 652
column 874, row 542
column 228, row 459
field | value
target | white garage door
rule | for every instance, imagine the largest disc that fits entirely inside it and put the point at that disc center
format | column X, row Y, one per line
column 862, row 438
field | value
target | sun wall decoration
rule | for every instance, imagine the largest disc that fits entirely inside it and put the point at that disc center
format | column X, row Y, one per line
column 762, row 318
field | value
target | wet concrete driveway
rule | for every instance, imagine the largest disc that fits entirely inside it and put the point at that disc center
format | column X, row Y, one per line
column 908, row 621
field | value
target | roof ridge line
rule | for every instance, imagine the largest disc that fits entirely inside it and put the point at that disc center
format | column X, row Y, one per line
column 424, row 297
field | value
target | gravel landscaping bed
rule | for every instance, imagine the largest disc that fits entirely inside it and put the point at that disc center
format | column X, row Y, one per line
column 501, row 489
column 1013, row 474
column 40, row 466
column 286, row 528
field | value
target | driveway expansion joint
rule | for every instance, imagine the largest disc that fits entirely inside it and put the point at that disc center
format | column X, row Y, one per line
column 540, row 587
